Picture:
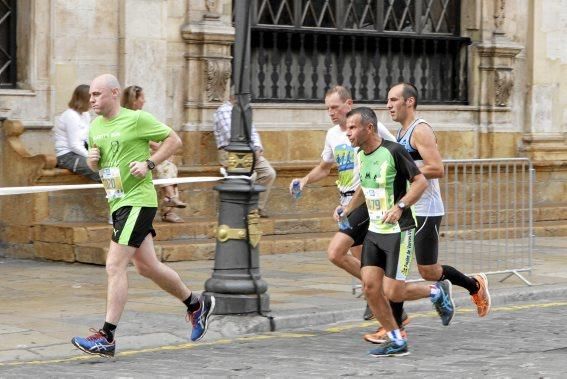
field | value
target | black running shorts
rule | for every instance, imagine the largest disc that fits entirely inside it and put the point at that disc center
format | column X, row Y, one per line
column 391, row 252
column 131, row 225
column 358, row 220
column 427, row 240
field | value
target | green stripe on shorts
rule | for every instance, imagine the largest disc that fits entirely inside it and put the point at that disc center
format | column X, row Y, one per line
column 406, row 253
column 129, row 226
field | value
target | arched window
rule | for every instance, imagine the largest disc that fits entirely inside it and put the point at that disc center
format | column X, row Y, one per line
column 300, row 48
column 8, row 69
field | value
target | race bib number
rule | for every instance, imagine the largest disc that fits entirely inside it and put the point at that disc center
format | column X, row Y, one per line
column 112, row 182
column 375, row 201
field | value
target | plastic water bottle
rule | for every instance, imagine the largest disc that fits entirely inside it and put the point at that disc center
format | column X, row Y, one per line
column 343, row 220
column 296, row 189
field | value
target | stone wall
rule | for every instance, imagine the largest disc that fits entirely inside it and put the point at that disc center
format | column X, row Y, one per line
column 179, row 52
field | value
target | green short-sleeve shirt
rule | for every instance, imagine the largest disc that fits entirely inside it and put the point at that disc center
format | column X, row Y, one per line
column 384, row 176
column 122, row 140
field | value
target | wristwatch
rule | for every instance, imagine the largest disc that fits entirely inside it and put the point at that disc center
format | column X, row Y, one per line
column 401, row 205
column 151, row 164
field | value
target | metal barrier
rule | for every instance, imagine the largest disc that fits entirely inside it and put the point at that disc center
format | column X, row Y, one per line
column 488, row 222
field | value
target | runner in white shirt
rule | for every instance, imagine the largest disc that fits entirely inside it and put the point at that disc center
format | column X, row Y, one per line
column 339, row 151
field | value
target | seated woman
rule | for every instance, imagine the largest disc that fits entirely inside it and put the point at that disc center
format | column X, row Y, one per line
column 71, row 132
column 133, row 98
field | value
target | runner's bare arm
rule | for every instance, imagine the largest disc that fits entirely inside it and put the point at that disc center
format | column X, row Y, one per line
column 356, row 201
column 418, row 185
column 423, row 139
column 321, row 171
column 167, row 148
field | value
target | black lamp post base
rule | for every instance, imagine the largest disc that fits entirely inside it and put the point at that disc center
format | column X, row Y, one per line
column 227, row 304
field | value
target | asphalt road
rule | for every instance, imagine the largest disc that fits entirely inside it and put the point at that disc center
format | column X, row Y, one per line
column 525, row 340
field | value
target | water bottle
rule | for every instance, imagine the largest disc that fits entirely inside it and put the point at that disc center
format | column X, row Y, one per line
column 296, row 189
column 343, row 220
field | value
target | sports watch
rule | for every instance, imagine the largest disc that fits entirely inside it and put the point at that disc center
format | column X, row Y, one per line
column 151, row 164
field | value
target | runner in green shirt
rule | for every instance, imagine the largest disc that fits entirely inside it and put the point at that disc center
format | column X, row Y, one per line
column 390, row 183
column 119, row 140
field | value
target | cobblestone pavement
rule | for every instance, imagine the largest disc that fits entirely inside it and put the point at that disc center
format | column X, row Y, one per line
column 519, row 340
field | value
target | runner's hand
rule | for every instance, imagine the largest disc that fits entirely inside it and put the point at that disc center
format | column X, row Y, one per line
column 392, row 215
column 301, row 184
column 139, row 169
column 94, row 155
column 336, row 212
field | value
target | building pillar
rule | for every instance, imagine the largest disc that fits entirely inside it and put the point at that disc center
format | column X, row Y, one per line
column 495, row 55
column 208, row 69
column 545, row 131
column 143, row 51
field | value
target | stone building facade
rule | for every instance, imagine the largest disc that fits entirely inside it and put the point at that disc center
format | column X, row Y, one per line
column 179, row 52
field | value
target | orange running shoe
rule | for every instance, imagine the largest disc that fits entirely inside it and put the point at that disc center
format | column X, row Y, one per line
column 482, row 297
column 381, row 336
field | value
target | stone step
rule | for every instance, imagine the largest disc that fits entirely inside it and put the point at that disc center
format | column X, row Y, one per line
column 77, row 233
column 182, row 250
column 204, row 248
column 316, row 222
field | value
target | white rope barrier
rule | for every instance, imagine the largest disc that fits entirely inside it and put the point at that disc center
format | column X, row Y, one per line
column 199, row 179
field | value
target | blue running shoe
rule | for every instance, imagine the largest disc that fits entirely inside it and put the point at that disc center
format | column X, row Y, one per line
column 200, row 318
column 390, row 349
column 444, row 304
column 97, row 344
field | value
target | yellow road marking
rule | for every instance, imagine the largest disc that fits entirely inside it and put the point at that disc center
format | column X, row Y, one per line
column 273, row 335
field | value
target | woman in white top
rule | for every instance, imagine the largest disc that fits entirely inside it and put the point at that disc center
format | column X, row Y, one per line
column 71, row 132
column 133, row 98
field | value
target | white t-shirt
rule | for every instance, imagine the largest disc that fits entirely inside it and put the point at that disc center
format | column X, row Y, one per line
column 339, row 150
column 71, row 132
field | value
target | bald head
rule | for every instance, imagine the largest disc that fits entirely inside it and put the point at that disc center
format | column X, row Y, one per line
column 107, row 81
column 105, row 95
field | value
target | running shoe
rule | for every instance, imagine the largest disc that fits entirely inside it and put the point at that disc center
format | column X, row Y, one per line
column 444, row 304
column 482, row 297
column 380, row 336
column 97, row 344
column 200, row 318
column 368, row 315
column 390, row 349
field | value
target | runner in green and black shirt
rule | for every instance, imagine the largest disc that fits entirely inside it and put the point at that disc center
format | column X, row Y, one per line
column 390, row 183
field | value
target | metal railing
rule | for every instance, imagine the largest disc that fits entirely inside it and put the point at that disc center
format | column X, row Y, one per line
column 488, row 222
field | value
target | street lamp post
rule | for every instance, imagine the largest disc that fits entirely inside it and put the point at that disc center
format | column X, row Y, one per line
column 236, row 282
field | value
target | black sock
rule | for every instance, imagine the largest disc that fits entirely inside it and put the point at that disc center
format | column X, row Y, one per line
column 397, row 311
column 459, row 279
column 192, row 303
column 108, row 329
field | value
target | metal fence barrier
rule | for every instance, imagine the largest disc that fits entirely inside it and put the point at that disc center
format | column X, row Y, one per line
column 488, row 222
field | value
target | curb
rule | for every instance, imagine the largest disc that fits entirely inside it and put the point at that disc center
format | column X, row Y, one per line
column 230, row 326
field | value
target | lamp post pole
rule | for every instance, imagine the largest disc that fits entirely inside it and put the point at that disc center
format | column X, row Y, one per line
column 236, row 282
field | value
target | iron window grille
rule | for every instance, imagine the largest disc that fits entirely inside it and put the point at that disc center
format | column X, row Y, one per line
column 8, row 73
column 300, row 48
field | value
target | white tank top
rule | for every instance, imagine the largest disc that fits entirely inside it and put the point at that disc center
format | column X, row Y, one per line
column 430, row 203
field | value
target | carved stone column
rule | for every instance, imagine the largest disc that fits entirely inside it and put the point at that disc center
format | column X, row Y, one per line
column 208, row 58
column 496, row 56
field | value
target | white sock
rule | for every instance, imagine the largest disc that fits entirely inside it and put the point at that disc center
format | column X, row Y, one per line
column 434, row 294
column 396, row 337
